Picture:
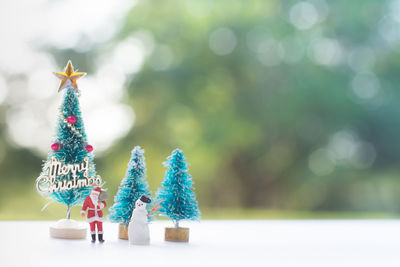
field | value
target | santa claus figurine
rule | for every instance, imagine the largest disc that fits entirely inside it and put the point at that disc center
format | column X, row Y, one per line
column 95, row 214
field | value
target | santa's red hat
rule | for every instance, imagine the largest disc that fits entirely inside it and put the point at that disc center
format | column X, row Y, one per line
column 97, row 189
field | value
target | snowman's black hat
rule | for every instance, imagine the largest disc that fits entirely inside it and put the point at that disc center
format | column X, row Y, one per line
column 145, row 199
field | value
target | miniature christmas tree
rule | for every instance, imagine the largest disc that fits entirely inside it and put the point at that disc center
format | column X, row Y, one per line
column 177, row 192
column 69, row 174
column 131, row 188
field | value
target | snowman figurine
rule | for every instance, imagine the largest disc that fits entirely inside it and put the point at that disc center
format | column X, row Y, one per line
column 138, row 231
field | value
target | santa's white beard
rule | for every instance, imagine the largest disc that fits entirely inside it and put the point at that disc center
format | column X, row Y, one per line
column 95, row 199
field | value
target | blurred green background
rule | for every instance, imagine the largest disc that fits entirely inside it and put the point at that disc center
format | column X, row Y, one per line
column 284, row 109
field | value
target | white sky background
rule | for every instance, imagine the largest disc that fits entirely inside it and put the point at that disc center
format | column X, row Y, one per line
column 28, row 86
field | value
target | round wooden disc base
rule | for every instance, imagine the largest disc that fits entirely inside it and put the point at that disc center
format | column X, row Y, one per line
column 123, row 232
column 68, row 229
column 177, row 234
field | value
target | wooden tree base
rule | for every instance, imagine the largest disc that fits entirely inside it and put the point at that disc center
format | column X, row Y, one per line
column 68, row 229
column 123, row 231
column 177, row 234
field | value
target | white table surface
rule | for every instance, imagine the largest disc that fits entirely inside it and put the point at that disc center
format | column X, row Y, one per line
column 213, row 243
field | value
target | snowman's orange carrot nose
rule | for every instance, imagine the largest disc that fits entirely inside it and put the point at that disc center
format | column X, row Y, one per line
column 156, row 207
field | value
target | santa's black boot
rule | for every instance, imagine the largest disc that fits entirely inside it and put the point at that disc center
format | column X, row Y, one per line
column 93, row 238
column 101, row 240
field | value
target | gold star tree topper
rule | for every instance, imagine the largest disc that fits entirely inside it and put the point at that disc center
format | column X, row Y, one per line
column 69, row 77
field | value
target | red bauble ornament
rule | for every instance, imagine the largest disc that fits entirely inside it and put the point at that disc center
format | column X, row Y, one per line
column 55, row 146
column 71, row 119
column 89, row 148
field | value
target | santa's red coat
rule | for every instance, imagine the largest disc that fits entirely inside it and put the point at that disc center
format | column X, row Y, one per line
column 94, row 213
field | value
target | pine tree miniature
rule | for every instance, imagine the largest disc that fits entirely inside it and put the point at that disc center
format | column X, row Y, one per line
column 131, row 188
column 69, row 174
column 177, row 191
column 71, row 147
column 70, row 144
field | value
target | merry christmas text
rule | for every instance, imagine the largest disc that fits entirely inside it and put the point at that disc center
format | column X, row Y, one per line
column 48, row 183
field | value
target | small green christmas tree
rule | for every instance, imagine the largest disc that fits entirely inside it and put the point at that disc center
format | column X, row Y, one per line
column 70, row 152
column 131, row 188
column 177, row 191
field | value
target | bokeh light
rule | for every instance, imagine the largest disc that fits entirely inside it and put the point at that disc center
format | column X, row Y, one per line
column 222, row 41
